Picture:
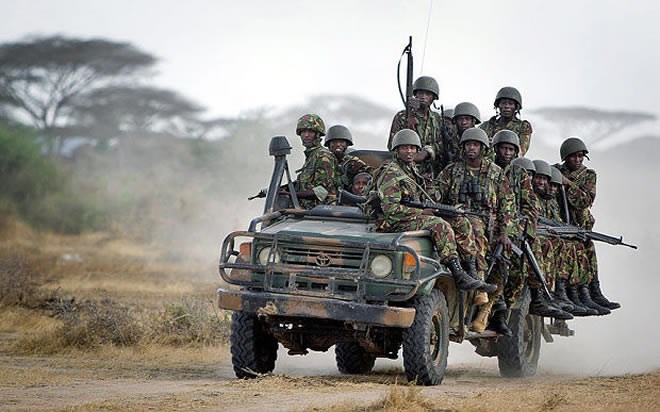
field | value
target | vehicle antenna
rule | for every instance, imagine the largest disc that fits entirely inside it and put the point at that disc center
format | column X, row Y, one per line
column 426, row 36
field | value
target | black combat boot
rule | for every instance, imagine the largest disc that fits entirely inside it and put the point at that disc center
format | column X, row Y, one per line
column 470, row 267
column 541, row 307
column 464, row 281
column 562, row 300
column 497, row 323
column 585, row 298
column 572, row 293
column 598, row 297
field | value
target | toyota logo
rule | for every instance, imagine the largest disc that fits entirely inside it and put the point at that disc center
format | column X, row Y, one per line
column 322, row 259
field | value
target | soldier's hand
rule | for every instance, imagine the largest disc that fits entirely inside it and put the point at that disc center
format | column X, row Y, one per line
column 505, row 241
column 565, row 181
column 428, row 212
column 421, row 156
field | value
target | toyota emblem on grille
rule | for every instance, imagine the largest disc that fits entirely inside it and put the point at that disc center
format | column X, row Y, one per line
column 322, row 259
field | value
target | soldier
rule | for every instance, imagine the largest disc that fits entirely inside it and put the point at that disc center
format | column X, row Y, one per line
column 425, row 122
column 506, row 146
column 480, row 186
column 508, row 103
column 317, row 179
column 398, row 179
column 337, row 140
column 580, row 184
column 360, row 183
column 466, row 115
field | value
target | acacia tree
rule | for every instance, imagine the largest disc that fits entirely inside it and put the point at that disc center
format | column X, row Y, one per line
column 40, row 77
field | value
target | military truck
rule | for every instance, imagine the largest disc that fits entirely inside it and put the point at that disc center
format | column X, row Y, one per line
column 311, row 279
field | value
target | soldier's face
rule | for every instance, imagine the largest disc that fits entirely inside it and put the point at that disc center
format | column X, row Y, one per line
column 359, row 185
column 472, row 149
column 505, row 152
column 540, row 183
column 553, row 188
column 425, row 97
column 464, row 122
column 308, row 137
column 507, row 107
column 338, row 146
column 406, row 153
column 574, row 160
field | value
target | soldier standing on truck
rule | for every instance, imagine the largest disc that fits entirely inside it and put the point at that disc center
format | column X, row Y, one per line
column 508, row 103
column 580, row 187
column 527, row 208
column 398, row 179
column 317, row 179
column 480, row 185
column 337, row 140
column 425, row 122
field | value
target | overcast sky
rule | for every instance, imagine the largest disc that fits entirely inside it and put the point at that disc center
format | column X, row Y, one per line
column 232, row 56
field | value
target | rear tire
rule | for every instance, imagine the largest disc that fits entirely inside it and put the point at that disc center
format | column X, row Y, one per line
column 518, row 355
column 353, row 359
column 426, row 342
column 253, row 349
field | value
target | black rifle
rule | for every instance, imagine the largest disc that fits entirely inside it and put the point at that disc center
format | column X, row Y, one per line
column 440, row 209
column 527, row 251
column 550, row 227
column 446, row 138
column 564, row 201
column 498, row 256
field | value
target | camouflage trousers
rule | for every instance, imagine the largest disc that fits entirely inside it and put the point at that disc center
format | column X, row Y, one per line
column 587, row 264
column 482, row 247
column 465, row 242
column 443, row 236
column 521, row 272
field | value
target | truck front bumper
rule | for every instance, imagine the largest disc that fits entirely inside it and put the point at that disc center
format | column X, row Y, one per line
column 272, row 304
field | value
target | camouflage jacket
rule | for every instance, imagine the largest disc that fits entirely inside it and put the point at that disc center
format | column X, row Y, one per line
column 349, row 167
column 522, row 127
column 498, row 199
column 319, row 174
column 526, row 201
column 580, row 195
column 550, row 209
column 394, row 181
column 430, row 133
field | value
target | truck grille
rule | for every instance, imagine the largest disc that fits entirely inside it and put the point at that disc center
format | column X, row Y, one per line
column 317, row 256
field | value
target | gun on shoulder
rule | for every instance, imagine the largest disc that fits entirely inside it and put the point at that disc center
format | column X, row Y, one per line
column 551, row 227
column 440, row 209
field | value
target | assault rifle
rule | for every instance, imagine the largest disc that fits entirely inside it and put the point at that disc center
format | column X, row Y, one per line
column 440, row 209
column 551, row 227
column 446, row 138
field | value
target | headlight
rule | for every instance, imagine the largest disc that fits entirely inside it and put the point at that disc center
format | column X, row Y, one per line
column 264, row 255
column 381, row 266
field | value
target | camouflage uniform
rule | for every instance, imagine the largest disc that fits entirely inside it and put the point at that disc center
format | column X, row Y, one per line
column 394, row 181
column 350, row 166
column 497, row 202
column 522, row 128
column 580, row 195
column 319, row 174
column 430, row 133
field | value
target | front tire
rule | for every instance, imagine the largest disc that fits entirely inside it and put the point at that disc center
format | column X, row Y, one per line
column 253, row 349
column 518, row 355
column 353, row 359
column 426, row 342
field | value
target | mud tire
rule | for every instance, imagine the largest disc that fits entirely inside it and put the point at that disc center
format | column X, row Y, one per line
column 353, row 359
column 253, row 349
column 518, row 355
column 426, row 342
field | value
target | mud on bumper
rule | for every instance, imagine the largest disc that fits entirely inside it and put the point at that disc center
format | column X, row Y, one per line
column 273, row 304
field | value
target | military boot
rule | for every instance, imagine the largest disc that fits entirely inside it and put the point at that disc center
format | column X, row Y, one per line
column 465, row 281
column 497, row 323
column 585, row 298
column 481, row 320
column 560, row 297
column 470, row 267
column 541, row 307
column 572, row 293
column 598, row 297
column 564, row 302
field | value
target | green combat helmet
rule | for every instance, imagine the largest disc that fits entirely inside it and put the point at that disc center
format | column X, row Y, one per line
column 311, row 122
column 467, row 109
column 474, row 133
column 406, row 137
column 556, row 176
column 509, row 92
column 525, row 163
column 427, row 83
column 571, row 145
column 543, row 168
column 449, row 113
column 338, row 132
column 507, row 136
